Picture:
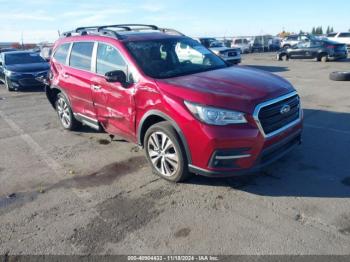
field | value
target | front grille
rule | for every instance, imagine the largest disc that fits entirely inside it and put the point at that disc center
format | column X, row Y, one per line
column 29, row 82
column 229, row 52
column 232, row 54
column 272, row 117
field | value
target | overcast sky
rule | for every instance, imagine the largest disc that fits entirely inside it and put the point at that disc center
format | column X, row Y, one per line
column 39, row 20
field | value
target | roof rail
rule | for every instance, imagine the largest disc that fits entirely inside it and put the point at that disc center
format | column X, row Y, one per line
column 107, row 30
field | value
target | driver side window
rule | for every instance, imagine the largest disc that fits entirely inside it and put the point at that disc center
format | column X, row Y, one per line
column 109, row 59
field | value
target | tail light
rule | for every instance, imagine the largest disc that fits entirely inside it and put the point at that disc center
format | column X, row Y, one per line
column 330, row 46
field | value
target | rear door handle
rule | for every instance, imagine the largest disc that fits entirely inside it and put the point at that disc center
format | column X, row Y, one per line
column 96, row 87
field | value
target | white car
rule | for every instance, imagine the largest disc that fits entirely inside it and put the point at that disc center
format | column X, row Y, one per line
column 230, row 55
column 243, row 44
column 292, row 40
column 342, row 37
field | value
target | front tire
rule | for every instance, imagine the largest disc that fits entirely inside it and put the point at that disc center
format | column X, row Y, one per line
column 8, row 85
column 165, row 152
column 65, row 113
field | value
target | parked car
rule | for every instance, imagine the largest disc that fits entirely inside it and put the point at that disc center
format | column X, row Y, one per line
column 341, row 37
column 292, row 40
column 261, row 43
column 20, row 69
column 230, row 55
column 192, row 114
column 274, row 44
column 242, row 44
column 7, row 50
column 206, row 41
column 322, row 50
column 46, row 52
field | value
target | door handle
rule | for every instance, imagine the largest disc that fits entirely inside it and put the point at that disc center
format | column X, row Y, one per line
column 65, row 75
column 96, row 87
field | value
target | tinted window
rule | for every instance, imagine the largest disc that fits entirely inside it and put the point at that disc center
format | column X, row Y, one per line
column 23, row 58
column 332, row 34
column 108, row 59
column 61, row 53
column 81, row 55
column 344, row 35
column 292, row 38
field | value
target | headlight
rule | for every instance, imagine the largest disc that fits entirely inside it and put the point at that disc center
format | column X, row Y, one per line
column 10, row 73
column 215, row 116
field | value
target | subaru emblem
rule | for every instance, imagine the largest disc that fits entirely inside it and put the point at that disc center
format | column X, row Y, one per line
column 285, row 109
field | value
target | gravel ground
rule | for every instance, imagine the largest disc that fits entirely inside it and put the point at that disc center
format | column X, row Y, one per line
column 80, row 193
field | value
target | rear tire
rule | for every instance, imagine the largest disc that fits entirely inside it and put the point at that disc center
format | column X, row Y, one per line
column 285, row 57
column 65, row 113
column 340, row 76
column 165, row 152
column 323, row 58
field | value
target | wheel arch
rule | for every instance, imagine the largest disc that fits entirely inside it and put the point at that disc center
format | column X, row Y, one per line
column 155, row 116
column 52, row 92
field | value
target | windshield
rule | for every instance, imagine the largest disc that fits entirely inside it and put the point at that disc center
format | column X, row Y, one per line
column 167, row 58
column 23, row 58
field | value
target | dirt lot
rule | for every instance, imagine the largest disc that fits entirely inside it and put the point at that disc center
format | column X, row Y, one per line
column 77, row 192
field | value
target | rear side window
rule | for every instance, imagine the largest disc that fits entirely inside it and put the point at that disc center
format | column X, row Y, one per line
column 332, row 34
column 315, row 44
column 61, row 53
column 108, row 59
column 344, row 35
column 81, row 54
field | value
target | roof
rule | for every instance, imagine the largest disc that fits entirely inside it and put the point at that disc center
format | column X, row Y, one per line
column 125, row 32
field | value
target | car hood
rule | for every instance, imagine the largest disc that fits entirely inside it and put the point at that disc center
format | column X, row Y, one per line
column 23, row 68
column 239, row 88
column 220, row 49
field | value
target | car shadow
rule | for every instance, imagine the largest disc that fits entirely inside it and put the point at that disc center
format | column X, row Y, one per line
column 272, row 69
column 320, row 167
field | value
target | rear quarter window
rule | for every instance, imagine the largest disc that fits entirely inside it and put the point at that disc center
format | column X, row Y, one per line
column 81, row 55
column 61, row 53
column 332, row 34
column 344, row 35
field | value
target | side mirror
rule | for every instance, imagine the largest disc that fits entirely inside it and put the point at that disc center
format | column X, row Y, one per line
column 116, row 76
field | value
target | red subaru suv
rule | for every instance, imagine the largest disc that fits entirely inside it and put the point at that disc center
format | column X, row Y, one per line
column 189, row 109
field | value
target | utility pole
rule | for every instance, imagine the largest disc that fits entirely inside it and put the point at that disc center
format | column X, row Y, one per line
column 22, row 41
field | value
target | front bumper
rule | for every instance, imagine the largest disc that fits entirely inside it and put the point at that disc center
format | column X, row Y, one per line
column 267, row 156
column 26, row 80
column 233, row 61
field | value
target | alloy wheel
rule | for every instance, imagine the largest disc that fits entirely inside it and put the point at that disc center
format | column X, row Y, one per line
column 163, row 154
column 64, row 112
